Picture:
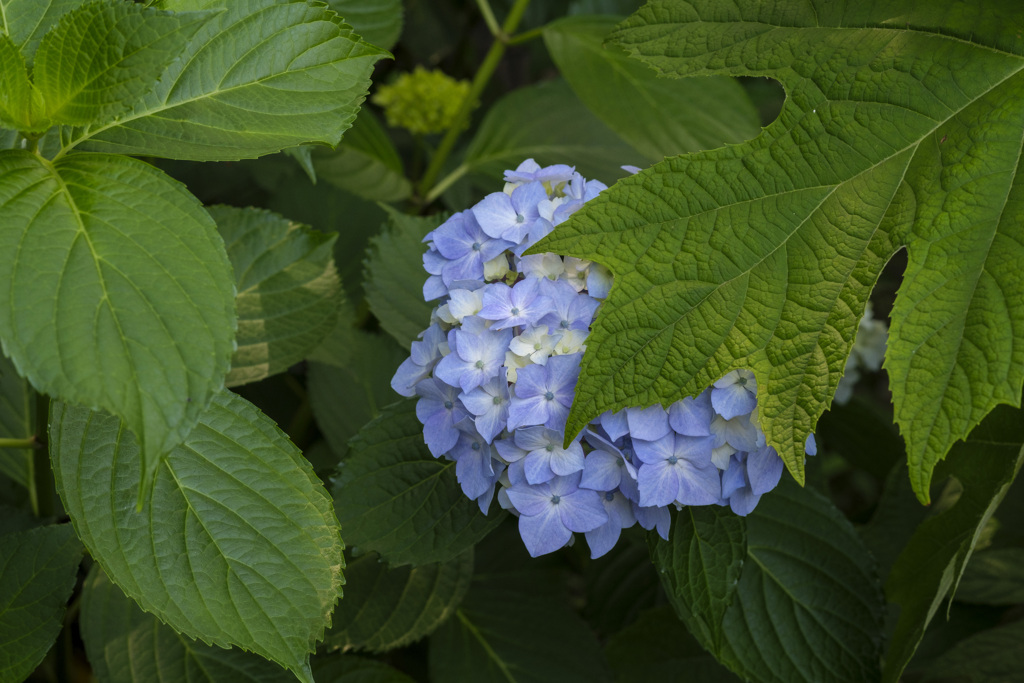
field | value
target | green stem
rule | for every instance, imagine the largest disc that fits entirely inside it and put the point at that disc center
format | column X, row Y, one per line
column 480, row 80
column 446, row 182
column 29, row 442
column 489, row 18
column 526, row 36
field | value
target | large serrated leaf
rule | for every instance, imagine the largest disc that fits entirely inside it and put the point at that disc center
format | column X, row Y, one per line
column 657, row 647
column 906, row 130
column 338, row 668
column 993, row 577
column 38, row 568
column 17, row 421
column 366, row 163
column 992, row 656
column 932, row 562
column 394, row 275
column 103, row 56
column 260, row 76
column 16, row 91
column 808, row 605
column 237, row 545
column 700, row 565
column 127, row 645
column 119, row 291
column 353, row 386
column 386, row 608
column 621, row 584
column 288, row 290
column 659, row 117
column 502, row 635
column 26, row 21
column 377, row 21
column 548, row 123
column 393, row 497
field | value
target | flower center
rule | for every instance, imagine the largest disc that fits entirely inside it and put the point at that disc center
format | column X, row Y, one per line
column 479, row 364
column 475, row 446
column 496, row 400
column 549, row 396
column 672, row 460
column 610, row 496
column 514, row 311
column 520, row 218
column 448, row 405
column 538, row 346
column 550, row 448
column 565, row 324
column 742, row 381
column 555, row 499
column 476, row 246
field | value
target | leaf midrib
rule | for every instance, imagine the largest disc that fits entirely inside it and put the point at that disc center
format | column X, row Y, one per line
column 165, row 106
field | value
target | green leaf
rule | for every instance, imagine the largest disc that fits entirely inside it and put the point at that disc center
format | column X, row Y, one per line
column 17, row 95
column 386, row 608
column 993, row 577
column 905, row 131
column 337, row 668
column 366, row 163
column 17, row 421
column 621, row 584
column 120, row 293
column 260, row 76
column 331, row 209
column 502, row 635
column 102, row 57
column 658, row 117
column 992, row 656
column 808, row 606
column 288, row 290
column 127, row 645
column 394, row 275
column 700, row 566
column 27, row 21
column 933, row 561
column 353, row 388
column 38, row 568
column 238, row 544
column 394, row 498
column 548, row 123
column 657, row 647
column 377, row 21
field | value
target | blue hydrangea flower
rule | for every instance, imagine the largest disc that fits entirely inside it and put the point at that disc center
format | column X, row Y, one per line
column 550, row 512
column 544, row 393
column 677, row 469
column 496, row 371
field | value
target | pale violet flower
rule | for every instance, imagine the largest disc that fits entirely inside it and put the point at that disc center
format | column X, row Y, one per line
column 550, row 512
column 734, row 394
column 535, row 343
column 544, row 393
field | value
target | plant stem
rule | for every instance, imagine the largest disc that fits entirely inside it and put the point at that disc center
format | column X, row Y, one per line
column 480, row 80
column 526, row 36
column 489, row 19
column 29, row 442
column 445, row 183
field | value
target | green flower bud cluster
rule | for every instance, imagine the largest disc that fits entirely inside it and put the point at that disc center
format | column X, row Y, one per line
column 422, row 101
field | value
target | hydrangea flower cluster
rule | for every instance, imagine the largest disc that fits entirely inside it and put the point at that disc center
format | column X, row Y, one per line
column 496, row 370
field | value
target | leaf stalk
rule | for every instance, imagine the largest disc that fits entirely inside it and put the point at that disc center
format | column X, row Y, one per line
column 480, row 80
